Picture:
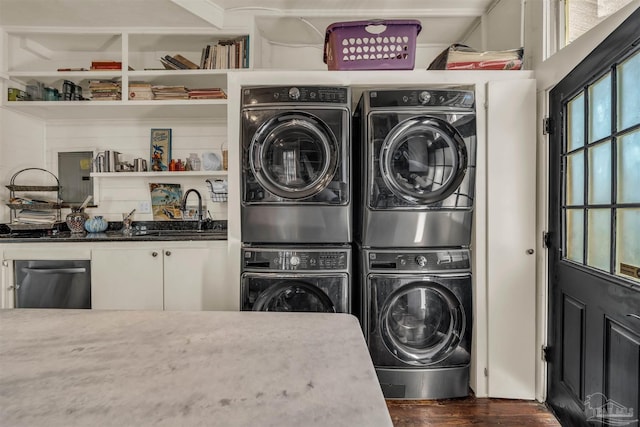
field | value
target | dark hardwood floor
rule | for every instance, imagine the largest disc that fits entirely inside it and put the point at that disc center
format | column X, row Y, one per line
column 470, row 411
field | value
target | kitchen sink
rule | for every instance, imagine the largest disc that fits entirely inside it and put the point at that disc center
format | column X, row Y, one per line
column 186, row 234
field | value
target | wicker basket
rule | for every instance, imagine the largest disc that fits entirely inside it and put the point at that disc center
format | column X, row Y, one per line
column 371, row 45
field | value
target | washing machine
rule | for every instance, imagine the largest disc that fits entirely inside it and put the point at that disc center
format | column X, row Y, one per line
column 416, row 168
column 296, row 165
column 296, row 278
column 417, row 319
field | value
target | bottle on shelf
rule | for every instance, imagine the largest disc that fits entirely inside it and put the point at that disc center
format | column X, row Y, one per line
column 194, row 161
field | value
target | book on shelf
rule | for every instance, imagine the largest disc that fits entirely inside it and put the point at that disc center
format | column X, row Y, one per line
column 140, row 91
column 106, row 65
column 105, row 90
column 207, row 93
column 161, row 92
column 178, row 64
column 184, row 61
column 168, row 65
column 226, row 54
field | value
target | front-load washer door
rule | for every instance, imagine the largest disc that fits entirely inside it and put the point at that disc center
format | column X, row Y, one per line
column 422, row 161
column 296, row 293
column 420, row 323
column 294, row 155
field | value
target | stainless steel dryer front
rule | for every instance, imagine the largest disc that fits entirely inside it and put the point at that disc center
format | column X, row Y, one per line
column 296, row 278
column 416, row 314
column 416, row 168
column 296, row 165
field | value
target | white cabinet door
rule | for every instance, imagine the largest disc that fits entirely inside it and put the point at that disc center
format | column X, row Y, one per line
column 511, row 228
column 126, row 279
column 185, row 275
column 221, row 294
column 194, row 278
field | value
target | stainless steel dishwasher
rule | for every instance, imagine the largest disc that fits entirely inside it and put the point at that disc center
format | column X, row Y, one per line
column 53, row 284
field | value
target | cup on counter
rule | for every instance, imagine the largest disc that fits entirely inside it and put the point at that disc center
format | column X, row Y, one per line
column 127, row 221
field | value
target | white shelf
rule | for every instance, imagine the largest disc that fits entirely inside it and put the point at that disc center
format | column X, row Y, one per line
column 222, row 173
column 81, row 110
column 36, row 54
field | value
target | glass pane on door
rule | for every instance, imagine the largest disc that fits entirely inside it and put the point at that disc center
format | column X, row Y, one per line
column 575, row 235
column 599, row 240
column 629, row 168
column 629, row 92
column 575, row 179
column 628, row 243
column 575, row 128
column 600, row 109
column 600, row 174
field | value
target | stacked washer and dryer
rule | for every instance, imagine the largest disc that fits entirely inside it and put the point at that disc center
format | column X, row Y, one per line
column 414, row 174
column 296, row 219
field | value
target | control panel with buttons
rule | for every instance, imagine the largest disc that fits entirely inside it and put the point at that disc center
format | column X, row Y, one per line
column 272, row 259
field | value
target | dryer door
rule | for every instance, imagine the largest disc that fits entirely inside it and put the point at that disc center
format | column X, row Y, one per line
column 423, row 160
column 294, row 155
column 298, row 293
column 420, row 323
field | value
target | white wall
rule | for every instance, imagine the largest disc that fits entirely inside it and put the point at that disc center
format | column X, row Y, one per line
column 21, row 146
column 500, row 28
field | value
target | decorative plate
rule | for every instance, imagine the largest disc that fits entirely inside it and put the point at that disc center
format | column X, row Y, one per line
column 211, row 162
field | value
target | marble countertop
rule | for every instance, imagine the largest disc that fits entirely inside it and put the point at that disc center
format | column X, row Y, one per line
column 162, row 368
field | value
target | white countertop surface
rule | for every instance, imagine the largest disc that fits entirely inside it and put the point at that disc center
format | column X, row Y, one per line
column 162, row 368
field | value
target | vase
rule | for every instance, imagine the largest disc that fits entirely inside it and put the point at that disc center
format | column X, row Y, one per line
column 97, row 224
column 76, row 220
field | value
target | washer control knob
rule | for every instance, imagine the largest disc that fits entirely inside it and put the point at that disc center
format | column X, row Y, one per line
column 421, row 260
column 294, row 93
column 424, row 97
column 294, row 260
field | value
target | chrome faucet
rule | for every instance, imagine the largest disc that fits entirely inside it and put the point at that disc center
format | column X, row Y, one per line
column 183, row 205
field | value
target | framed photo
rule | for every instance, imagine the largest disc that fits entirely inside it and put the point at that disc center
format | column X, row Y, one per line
column 160, row 149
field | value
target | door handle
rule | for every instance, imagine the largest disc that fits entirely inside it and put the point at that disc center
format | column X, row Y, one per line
column 55, row 270
column 635, row 316
column 167, row 253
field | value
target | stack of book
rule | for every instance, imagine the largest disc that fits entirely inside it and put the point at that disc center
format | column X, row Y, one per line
column 170, row 92
column 207, row 93
column 106, row 65
column 226, row 54
column 140, row 91
column 178, row 62
column 105, row 90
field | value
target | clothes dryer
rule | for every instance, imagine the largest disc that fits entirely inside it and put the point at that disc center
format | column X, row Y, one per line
column 416, row 167
column 296, row 165
column 416, row 314
column 296, row 278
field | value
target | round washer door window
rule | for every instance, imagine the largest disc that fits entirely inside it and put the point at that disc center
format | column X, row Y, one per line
column 293, row 295
column 294, row 155
column 423, row 159
column 422, row 323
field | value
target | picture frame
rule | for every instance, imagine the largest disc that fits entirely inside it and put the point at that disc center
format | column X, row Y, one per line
column 165, row 201
column 160, row 147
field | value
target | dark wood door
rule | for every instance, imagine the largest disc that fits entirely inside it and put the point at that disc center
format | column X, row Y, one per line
column 594, row 255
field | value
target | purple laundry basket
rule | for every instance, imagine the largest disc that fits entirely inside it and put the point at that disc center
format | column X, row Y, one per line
column 371, row 45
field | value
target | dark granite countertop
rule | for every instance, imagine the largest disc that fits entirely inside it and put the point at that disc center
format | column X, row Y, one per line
column 142, row 231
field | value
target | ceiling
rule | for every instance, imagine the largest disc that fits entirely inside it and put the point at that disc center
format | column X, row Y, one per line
column 443, row 21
